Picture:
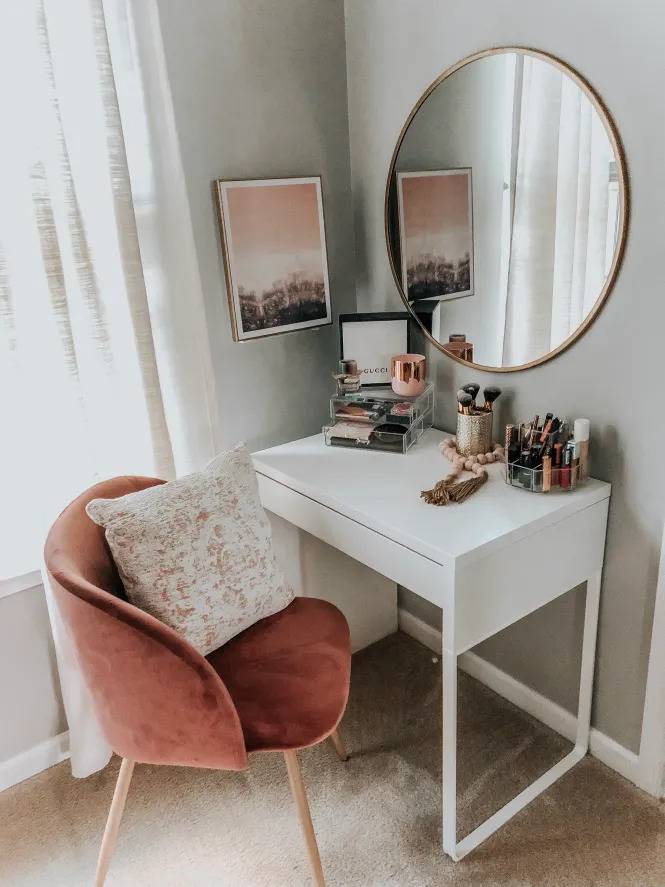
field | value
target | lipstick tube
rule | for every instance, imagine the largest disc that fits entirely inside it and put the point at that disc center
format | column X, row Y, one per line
column 556, row 467
column 564, row 473
column 573, row 448
column 510, row 437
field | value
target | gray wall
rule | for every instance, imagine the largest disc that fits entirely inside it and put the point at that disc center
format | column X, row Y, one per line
column 612, row 375
column 259, row 91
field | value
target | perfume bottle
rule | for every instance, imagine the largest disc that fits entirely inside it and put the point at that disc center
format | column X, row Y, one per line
column 347, row 379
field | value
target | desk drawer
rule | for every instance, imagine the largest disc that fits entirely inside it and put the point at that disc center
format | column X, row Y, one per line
column 391, row 559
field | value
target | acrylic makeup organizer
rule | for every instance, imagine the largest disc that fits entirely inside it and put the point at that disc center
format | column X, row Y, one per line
column 534, row 479
column 379, row 419
column 531, row 479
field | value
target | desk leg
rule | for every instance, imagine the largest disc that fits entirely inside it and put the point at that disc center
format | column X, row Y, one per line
column 588, row 662
column 449, row 662
column 459, row 850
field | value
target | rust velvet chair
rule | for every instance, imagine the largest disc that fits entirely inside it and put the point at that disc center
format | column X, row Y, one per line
column 280, row 685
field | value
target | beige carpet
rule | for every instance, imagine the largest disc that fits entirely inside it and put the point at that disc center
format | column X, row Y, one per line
column 377, row 817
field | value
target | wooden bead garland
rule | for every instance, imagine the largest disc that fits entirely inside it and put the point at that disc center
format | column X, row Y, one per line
column 447, row 490
column 470, row 463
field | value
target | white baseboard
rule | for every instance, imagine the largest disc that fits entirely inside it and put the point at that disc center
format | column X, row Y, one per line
column 538, row 706
column 34, row 760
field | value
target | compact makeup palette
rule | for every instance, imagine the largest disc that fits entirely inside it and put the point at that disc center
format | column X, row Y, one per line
column 541, row 456
column 381, row 420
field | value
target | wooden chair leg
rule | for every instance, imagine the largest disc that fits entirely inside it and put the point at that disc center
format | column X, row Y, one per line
column 113, row 821
column 340, row 748
column 299, row 796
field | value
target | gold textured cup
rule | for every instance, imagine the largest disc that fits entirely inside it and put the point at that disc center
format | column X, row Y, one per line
column 408, row 373
column 474, row 433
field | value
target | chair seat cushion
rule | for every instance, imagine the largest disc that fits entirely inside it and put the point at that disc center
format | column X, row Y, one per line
column 288, row 675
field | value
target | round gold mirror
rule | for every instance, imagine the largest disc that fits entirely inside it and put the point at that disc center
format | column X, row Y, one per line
column 506, row 209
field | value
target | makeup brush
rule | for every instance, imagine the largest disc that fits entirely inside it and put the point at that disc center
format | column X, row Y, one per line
column 490, row 394
column 464, row 400
column 472, row 389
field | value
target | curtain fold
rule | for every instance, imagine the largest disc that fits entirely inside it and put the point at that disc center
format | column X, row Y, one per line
column 95, row 381
column 560, row 225
column 88, row 749
column 165, row 231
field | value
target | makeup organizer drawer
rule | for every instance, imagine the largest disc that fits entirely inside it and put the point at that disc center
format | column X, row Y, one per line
column 380, row 420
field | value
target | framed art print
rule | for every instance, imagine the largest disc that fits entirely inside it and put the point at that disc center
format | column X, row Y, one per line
column 436, row 233
column 274, row 249
column 371, row 340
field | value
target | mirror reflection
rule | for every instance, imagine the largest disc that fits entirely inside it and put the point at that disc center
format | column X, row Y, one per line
column 504, row 209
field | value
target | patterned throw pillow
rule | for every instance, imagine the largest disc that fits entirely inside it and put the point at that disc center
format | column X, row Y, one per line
column 197, row 552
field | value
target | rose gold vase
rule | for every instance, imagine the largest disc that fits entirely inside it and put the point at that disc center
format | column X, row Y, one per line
column 408, row 373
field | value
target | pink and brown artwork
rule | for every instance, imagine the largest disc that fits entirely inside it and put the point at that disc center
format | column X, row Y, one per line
column 436, row 233
column 274, row 247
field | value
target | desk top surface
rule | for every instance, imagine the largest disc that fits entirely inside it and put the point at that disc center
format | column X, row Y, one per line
column 381, row 491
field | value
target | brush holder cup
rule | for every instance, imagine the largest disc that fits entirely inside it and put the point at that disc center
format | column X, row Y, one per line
column 474, row 433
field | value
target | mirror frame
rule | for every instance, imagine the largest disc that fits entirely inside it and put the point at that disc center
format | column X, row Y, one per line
column 624, row 200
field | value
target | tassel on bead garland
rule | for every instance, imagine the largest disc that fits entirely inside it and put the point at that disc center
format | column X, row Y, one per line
column 452, row 490
column 447, row 490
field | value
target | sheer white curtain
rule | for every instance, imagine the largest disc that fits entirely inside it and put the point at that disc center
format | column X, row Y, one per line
column 561, row 218
column 91, row 382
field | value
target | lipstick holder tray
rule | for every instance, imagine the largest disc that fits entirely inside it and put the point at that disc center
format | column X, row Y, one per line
column 531, row 479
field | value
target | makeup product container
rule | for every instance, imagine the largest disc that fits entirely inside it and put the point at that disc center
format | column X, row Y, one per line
column 347, row 379
column 408, row 374
column 379, row 419
column 458, row 345
column 541, row 462
column 474, row 433
column 348, row 367
column 347, row 384
column 582, row 433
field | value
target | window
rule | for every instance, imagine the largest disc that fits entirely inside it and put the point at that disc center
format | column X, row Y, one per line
column 79, row 389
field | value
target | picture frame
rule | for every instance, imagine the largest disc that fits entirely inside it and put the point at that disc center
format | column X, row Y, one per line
column 435, row 210
column 274, row 253
column 372, row 339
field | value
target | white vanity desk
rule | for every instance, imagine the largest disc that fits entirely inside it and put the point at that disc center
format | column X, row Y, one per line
column 487, row 563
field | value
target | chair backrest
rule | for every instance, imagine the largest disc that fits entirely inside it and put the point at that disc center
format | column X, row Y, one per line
column 157, row 699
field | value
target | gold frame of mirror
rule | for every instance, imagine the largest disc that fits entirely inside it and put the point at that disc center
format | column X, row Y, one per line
column 624, row 200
